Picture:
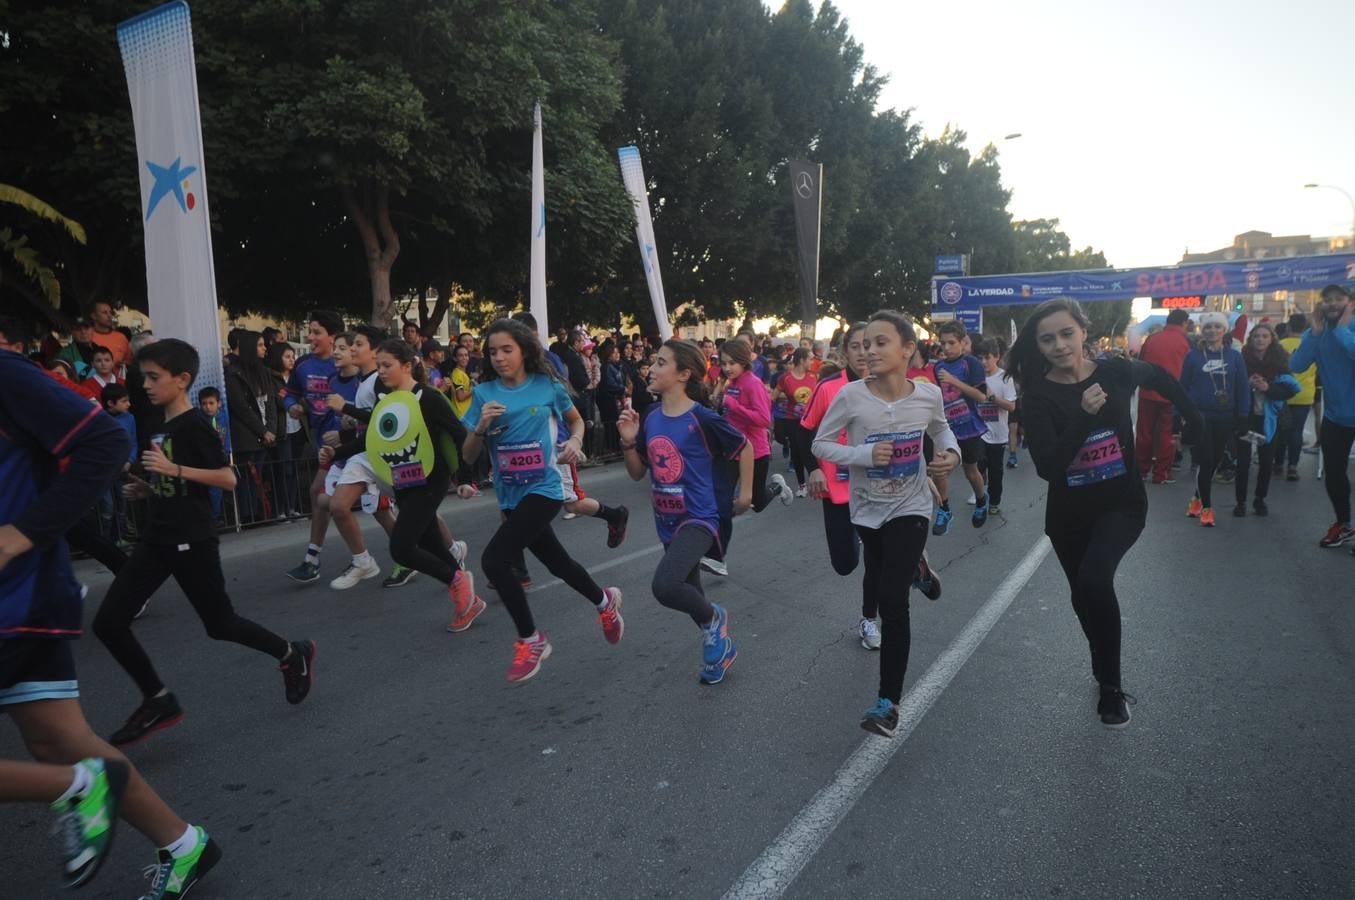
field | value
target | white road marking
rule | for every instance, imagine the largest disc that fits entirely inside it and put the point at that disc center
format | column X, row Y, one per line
column 777, row 867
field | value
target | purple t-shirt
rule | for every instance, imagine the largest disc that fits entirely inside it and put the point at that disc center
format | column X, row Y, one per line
column 962, row 413
column 684, row 455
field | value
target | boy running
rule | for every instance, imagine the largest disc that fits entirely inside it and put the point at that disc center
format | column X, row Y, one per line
column 994, row 410
column 963, row 384
column 313, row 379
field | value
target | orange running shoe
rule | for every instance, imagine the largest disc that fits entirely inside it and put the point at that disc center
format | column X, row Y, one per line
column 612, row 624
column 1207, row 517
column 1195, row 507
column 465, row 601
column 527, row 658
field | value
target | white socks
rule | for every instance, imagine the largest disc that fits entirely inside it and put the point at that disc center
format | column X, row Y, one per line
column 82, row 782
column 312, row 554
column 363, row 560
column 186, row 844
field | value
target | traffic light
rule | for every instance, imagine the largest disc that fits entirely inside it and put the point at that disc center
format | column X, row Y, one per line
column 1238, row 306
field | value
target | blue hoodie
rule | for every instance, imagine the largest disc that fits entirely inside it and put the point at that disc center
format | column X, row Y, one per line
column 1334, row 352
column 1227, row 372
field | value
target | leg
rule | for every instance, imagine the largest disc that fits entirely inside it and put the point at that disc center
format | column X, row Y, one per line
column 1266, row 457
column 1243, row 477
column 1336, row 441
column 503, row 553
column 975, row 479
column 145, row 571
column 1208, row 449
column 761, row 496
column 1094, row 600
column 1164, row 448
column 198, row 572
column 872, row 554
column 345, row 521
column 677, row 580
column 418, row 515
column 319, row 508
column 901, row 543
column 546, row 547
column 995, row 454
column 843, row 544
column 86, row 539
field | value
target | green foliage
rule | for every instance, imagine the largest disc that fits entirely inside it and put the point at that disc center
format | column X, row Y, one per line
column 1040, row 246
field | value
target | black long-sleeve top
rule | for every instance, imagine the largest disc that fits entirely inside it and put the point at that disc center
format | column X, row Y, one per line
column 1088, row 460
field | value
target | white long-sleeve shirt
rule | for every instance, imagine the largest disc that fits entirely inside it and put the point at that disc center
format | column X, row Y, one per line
column 882, row 493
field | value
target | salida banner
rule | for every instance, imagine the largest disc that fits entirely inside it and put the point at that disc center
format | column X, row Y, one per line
column 1249, row 276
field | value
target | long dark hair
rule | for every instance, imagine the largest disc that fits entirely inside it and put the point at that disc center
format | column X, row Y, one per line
column 274, row 358
column 1274, row 362
column 534, row 359
column 251, row 366
column 687, row 357
column 1025, row 363
column 738, row 352
column 402, row 351
column 842, row 348
column 900, row 322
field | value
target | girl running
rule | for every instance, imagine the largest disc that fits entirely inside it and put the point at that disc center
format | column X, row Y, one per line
column 683, row 446
column 411, row 445
column 793, row 390
column 1081, row 439
column 1271, row 387
column 515, row 416
column 1214, row 375
column 890, row 497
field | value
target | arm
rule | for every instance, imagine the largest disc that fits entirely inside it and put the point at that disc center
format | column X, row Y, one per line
column 752, row 408
column 943, row 439
column 629, row 428
column 573, row 448
column 1052, row 448
column 825, row 440
column 1007, row 399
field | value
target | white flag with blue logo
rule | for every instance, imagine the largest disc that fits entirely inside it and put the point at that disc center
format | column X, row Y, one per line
column 157, row 53
column 633, row 174
column 538, row 283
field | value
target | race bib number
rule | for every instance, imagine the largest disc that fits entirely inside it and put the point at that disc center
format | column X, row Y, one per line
column 408, row 475
column 842, row 474
column 957, row 410
column 988, row 412
column 521, row 463
column 317, row 391
column 670, row 503
column 903, row 464
column 1100, row 459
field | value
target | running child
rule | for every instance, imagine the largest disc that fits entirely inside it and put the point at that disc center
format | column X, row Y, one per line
column 683, row 446
column 994, row 410
column 891, row 497
column 515, row 417
column 312, row 380
column 1081, row 440
column 963, row 384
column 183, row 461
column 793, row 390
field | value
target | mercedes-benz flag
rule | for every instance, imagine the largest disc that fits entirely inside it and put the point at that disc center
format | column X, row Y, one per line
column 806, row 191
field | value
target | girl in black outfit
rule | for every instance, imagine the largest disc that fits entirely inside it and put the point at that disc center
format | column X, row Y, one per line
column 1075, row 412
column 256, row 412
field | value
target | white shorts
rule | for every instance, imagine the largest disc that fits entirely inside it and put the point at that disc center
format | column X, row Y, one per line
column 355, row 470
column 569, row 482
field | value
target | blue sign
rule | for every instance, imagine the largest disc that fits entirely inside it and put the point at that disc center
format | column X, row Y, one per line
column 951, row 264
column 972, row 319
column 1249, row 276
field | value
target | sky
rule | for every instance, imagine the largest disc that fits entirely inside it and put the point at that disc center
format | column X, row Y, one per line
column 1147, row 127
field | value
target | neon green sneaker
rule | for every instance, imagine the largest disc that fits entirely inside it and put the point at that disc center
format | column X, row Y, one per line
column 87, row 822
column 172, row 877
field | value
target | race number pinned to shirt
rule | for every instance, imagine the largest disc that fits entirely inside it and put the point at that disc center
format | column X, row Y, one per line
column 408, row 475
column 1100, row 459
column 988, row 412
column 521, row 463
column 903, row 464
column 670, row 503
column 317, row 393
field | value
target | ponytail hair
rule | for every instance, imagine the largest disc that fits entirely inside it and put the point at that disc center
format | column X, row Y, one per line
column 405, row 354
column 1025, row 364
column 687, row 357
column 739, row 352
column 852, row 329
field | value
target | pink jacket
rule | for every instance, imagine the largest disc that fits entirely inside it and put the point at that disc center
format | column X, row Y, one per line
column 748, row 407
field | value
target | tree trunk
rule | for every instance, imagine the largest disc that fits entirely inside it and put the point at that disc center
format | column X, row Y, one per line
column 380, row 243
column 441, row 303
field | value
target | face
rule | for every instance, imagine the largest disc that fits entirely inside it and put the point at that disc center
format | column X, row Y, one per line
column 103, row 363
column 806, row 343
column 436, row 357
column 1333, row 308
column 120, row 406
column 1261, row 339
column 1212, row 332
column 708, row 348
column 411, row 334
column 505, row 355
column 885, row 350
column 856, row 352
column 210, row 405
column 615, row 355
column 342, row 357
column 102, row 315
column 989, row 363
column 260, row 348
column 321, row 341
column 952, row 347
column 82, row 334
column 462, row 357
column 392, row 371
column 1060, row 340
column 361, row 352
column 288, row 359
column 731, row 368
column 162, row 387
column 664, row 374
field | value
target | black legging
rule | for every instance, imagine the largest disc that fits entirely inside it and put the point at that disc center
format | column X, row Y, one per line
column 1089, row 559
column 1336, row 443
column 761, row 497
column 891, row 553
column 88, row 540
column 197, row 570
column 1209, row 452
column 992, row 464
column 784, row 432
column 844, row 547
column 416, row 541
column 1265, row 456
column 528, row 525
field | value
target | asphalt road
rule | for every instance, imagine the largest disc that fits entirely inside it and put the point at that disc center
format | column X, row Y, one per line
column 415, row 770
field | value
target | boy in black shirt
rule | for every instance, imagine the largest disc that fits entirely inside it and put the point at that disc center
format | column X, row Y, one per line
column 184, row 461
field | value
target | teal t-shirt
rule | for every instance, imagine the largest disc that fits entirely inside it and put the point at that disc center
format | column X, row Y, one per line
column 521, row 442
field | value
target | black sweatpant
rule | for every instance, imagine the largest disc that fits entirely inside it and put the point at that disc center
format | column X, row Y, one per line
column 416, row 541
column 1089, row 559
column 1336, row 442
column 784, row 432
column 1265, row 457
column 197, row 570
column 844, row 547
column 994, row 463
column 88, row 540
column 528, row 526
column 677, row 580
column 761, row 498
column 1209, row 452
column 892, row 552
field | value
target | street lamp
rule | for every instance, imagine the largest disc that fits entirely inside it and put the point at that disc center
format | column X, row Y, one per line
column 1349, row 199
column 1011, row 137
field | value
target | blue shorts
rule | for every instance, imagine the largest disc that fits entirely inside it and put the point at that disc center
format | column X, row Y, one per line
column 34, row 669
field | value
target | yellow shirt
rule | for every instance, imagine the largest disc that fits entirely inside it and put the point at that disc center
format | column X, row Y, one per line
column 1307, row 379
column 460, row 379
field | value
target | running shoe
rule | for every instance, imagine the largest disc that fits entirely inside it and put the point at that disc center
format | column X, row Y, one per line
column 1292, row 474
column 1259, row 506
column 354, row 574
column 613, row 626
column 802, row 491
column 1194, row 508
column 616, row 531
column 1167, row 480
column 171, row 877
column 994, row 510
column 927, row 581
column 783, row 491
column 717, row 650
column 152, row 715
column 942, row 523
column 980, row 512
column 714, row 566
column 882, row 718
column 569, row 515
column 870, row 634
column 1011, row 460
column 1240, row 511
column 298, row 675
column 1207, row 517
column 467, row 605
column 1337, row 535
column 399, row 577
column 972, row 500
column 87, row 821
column 305, row 573
column 1113, row 707
column 459, row 550
column 527, row 658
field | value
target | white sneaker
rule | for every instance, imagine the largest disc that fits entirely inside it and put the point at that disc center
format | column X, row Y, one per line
column 870, row 634
column 802, row 492
column 972, row 500
column 570, row 515
column 786, row 495
column 459, row 551
column 353, row 574
column 714, row 566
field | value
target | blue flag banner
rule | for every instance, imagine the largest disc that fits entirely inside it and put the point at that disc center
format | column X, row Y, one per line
column 1248, row 276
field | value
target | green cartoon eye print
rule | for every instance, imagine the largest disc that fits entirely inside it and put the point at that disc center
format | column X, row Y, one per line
column 399, row 446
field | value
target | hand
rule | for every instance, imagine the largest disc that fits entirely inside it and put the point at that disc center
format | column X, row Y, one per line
column 488, row 414
column 335, row 402
column 817, row 484
column 295, row 411
column 326, row 455
column 881, row 453
column 330, row 439
column 628, row 425
column 1344, row 321
column 743, row 503
column 571, row 451
column 944, row 377
column 349, row 423
column 943, row 464
column 1259, row 384
column 1093, row 398
column 269, row 438
column 154, row 460
column 465, row 491
column 13, row 542
column 136, row 489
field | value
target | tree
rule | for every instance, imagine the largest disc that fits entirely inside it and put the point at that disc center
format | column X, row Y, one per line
column 1040, row 246
column 20, row 254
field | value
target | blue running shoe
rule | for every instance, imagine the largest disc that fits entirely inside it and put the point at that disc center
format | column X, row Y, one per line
column 882, row 718
column 942, row 523
column 1011, row 460
column 717, row 650
column 980, row 512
